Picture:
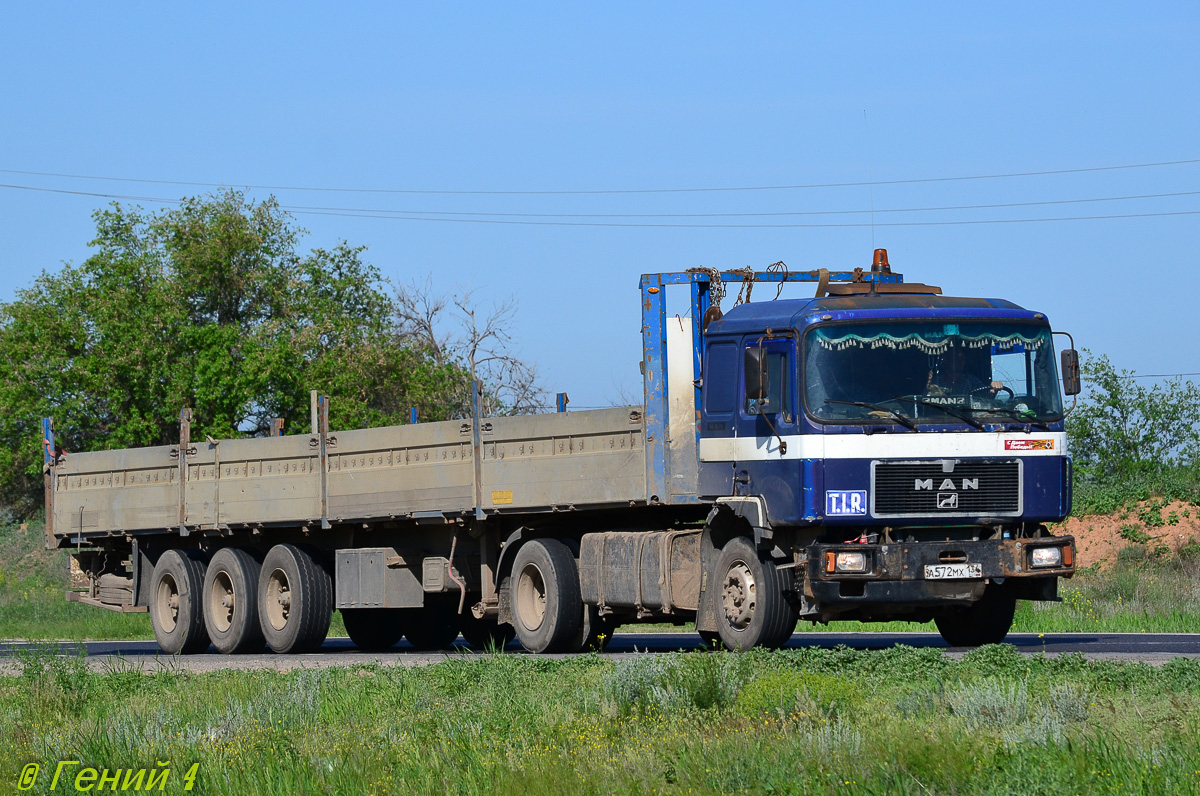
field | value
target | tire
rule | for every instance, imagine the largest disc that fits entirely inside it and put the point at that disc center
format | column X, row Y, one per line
column 374, row 629
column 485, row 634
column 752, row 609
column 176, row 615
column 544, row 596
column 987, row 621
column 594, row 631
column 434, row 627
column 295, row 600
column 789, row 623
column 231, row 602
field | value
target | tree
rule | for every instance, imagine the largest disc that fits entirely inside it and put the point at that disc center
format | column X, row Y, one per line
column 211, row 306
column 456, row 331
column 1123, row 426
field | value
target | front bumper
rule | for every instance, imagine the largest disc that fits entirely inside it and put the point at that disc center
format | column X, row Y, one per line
column 895, row 573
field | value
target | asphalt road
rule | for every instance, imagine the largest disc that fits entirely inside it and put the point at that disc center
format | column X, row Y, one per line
column 1153, row 648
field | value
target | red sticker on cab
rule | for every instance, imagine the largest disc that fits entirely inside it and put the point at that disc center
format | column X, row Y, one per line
column 1028, row 444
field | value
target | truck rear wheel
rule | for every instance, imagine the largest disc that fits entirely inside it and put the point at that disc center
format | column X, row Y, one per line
column 374, row 629
column 752, row 608
column 544, row 596
column 231, row 601
column 434, row 627
column 486, row 633
column 295, row 600
column 175, row 611
column 987, row 621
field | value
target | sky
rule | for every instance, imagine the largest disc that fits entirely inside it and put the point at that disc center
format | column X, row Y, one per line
column 421, row 111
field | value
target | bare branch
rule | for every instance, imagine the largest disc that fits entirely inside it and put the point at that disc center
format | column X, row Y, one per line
column 478, row 338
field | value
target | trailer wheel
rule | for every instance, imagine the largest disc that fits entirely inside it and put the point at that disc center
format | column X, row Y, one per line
column 175, row 611
column 987, row 621
column 753, row 611
column 486, row 633
column 434, row 627
column 374, row 629
column 544, row 595
column 231, row 601
column 295, row 600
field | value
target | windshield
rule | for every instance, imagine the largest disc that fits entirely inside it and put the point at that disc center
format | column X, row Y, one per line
column 984, row 371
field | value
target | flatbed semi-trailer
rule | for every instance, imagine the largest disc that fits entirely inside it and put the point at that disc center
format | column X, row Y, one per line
column 767, row 476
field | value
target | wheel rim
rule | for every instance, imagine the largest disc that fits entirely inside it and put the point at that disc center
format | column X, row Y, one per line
column 279, row 599
column 167, row 603
column 221, row 600
column 531, row 597
column 739, row 596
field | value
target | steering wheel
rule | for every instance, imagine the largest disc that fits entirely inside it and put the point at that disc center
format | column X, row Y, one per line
column 996, row 394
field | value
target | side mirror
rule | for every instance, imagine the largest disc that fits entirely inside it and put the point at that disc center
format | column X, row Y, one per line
column 1070, row 372
column 756, row 373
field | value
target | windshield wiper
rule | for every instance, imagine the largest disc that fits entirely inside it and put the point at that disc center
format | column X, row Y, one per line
column 1013, row 415
column 903, row 420
column 970, row 421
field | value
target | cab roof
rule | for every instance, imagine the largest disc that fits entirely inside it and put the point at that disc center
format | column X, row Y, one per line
column 798, row 313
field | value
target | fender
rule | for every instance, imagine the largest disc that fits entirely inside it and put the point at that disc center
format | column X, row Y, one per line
column 721, row 526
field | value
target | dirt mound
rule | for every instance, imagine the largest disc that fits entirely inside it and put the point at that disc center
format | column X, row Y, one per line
column 1160, row 526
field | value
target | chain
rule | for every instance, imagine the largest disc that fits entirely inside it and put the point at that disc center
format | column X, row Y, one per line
column 747, row 274
column 779, row 268
column 716, row 288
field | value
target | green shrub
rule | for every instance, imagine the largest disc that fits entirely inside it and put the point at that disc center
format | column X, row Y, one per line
column 788, row 693
column 1134, row 534
column 648, row 683
column 990, row 704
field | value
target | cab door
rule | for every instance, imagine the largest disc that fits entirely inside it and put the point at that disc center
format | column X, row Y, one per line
column 767, row 424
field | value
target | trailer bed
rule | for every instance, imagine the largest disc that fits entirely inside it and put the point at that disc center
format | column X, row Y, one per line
column 581, row 460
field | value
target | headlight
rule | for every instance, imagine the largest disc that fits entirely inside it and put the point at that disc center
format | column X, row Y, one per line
column 851, row 562
column 1046, row 557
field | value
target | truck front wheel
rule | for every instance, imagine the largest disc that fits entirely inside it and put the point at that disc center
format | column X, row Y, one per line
column 544, row 596
column 986, row 621
column 295, row 600
column 753, row 610
column 175, row 603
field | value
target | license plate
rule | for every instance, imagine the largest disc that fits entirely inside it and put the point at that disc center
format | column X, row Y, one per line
column 953, row 571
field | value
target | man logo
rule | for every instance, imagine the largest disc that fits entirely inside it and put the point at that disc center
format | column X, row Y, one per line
column 947, row 500
column 946, row 485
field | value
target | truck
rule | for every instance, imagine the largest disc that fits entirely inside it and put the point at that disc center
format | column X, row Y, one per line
column 878, row 451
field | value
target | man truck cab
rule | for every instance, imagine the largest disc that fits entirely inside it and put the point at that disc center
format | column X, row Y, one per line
column 903, row 449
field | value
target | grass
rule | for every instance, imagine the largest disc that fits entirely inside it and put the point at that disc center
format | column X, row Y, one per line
column 798, row 721
column 1099, row 492
column 33, row 583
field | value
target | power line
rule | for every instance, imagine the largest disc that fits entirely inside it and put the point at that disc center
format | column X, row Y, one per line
column 591, row 192
column 522, row 219
column 750, row 215
column 788, row 213
column 747, row 226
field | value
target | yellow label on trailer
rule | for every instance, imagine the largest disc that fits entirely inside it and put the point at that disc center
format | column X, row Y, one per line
column 502, row 497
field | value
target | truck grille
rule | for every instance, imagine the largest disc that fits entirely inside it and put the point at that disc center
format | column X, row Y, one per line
column 926, row 489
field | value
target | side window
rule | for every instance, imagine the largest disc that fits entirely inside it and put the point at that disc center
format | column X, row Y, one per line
column 779, row 384
column 720, row 378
